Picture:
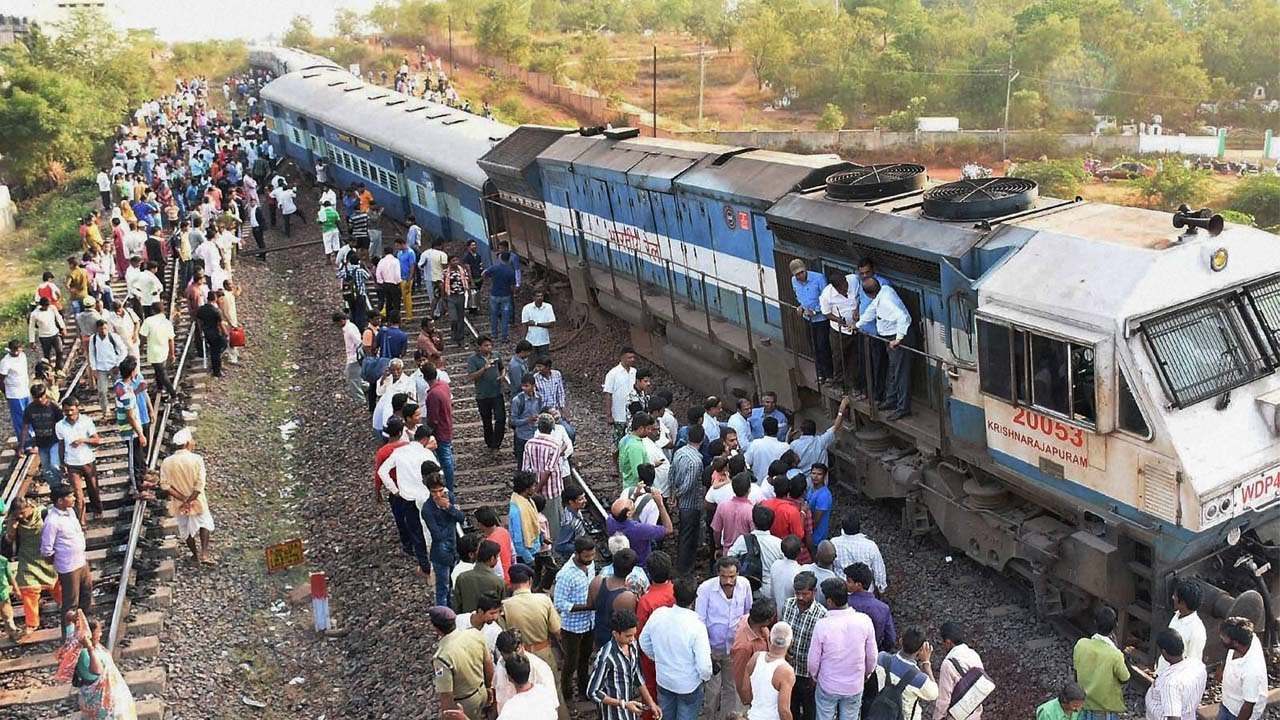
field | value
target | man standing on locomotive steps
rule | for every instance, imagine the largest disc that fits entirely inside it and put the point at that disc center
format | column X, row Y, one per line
column 887, row 318
column 808, row 289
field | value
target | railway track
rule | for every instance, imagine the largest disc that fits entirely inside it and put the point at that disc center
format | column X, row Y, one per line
column 131, row 546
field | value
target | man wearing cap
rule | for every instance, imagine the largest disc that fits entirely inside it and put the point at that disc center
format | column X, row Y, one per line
column 62, row 541
column 808, row 289
column 17, row 385
column 462, row 664
column 183, row 475
column 535, row 616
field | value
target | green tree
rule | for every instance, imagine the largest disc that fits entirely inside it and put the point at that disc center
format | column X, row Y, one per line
column 300, row 34
column 551, row 59
column 503, row 29
column 346, row 23
column 768, row 45
column 905, row 120
column 1173, row 186
column 600, row 73
column 1159, row 75
column 1026, row 109
column 1056, row 178
column 832, row 118
column 1259, row 196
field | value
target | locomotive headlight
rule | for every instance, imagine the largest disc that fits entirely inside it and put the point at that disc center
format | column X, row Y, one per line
column 1218, row 260
column 1218, row 509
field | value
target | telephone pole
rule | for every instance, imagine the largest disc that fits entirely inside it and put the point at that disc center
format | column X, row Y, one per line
column 655, row 91
column 702, row 80
column 1010, row 75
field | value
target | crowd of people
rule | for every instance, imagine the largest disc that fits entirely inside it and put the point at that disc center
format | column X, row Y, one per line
column 427, row 79
column 181, row 193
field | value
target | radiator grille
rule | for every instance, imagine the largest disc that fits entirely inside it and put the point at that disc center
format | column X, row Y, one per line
column 1160, row 492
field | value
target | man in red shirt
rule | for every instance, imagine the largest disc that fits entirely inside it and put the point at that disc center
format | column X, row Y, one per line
column 491, row 529
column 403, row 511
column 659, row 595
column 439, row 402
column 787, row 519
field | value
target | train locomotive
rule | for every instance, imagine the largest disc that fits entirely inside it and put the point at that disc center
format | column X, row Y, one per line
column 1096, row 397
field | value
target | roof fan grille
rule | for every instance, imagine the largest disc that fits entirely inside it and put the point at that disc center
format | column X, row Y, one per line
column 875, row 181
column 980, row 199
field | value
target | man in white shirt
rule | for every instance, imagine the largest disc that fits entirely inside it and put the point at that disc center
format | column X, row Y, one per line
column 676, row 640
column 286, row 197
column 407, row 484
column 617, row 385
column 765, row 450
column 47, row 327
column 388, row 276
column 352, row 343
column 841, row 309
column 106, row 351
column 1186, row 620
column 1244, row 673
column 484, row 618
column 531, row 697
column 740, row 422
column 78, row 437
column 434, row 261
column 852, row 546
column 1178, row 688
column 538, row 317
column 887, row 318
column 17, row 386
column 104, row 189
column 158, row 331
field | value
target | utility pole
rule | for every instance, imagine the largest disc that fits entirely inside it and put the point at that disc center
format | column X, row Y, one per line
column 702, row 80
column 452, row 67
column 1010, row 75
column 655, row 91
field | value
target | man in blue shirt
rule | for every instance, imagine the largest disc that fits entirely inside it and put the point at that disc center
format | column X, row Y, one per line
column 408, row 263
column 887, row 318
column 808, row 289
column 503, row 277
column 863, row 347
column 768, row 408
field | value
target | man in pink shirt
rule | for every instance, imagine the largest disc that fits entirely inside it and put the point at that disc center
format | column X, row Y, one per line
column 733, row 518
column 842, row 655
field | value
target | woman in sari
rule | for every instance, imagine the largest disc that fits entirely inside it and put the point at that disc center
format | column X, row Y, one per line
column 85, row 663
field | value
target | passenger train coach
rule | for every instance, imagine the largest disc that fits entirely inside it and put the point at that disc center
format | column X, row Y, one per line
column 1096, row 396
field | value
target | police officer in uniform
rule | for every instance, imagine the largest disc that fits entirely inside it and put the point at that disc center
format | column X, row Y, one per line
column 463, row 666
column 537, row 619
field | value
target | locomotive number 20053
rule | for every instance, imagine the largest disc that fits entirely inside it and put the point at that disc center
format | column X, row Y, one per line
column 1048, row 426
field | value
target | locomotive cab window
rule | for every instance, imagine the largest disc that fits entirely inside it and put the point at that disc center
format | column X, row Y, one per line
column 1048, row 374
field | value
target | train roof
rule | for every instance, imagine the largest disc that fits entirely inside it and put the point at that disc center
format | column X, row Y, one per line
column 444, row 139
column 735, row 174
column 286, row 59
column 512, row 164
column 879, row 225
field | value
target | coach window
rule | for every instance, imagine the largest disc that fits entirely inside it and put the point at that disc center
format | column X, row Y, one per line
column 1048, row 374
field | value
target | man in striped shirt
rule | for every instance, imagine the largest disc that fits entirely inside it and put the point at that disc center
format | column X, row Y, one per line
column 1178, row 688
column 615, row 679
column 550, row 385
column 542, row 456
column 852, row 546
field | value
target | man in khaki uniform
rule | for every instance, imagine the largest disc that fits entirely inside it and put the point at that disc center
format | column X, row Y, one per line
column 463, row 666
column 182, row 475
column 537, row 619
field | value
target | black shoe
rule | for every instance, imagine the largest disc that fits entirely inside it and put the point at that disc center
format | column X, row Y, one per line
column 898, row 414
column 884, row 405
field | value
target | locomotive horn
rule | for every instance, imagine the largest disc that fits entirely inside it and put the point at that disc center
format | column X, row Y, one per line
column 1202, row 218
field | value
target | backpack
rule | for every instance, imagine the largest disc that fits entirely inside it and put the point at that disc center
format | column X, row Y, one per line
column 750, row 564
column 887, row 704
column 970, row 692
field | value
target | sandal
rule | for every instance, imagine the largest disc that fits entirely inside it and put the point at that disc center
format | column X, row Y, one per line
column 206, row 560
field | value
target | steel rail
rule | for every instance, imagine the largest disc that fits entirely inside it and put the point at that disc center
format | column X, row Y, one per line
column 154, row 444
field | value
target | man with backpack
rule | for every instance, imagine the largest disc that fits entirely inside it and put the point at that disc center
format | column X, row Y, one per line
column 757, row 550
column 905, row 679
column 962, row 681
